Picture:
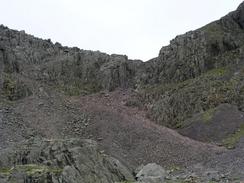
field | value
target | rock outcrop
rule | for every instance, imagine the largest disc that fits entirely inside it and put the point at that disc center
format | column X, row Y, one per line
column 62, row 161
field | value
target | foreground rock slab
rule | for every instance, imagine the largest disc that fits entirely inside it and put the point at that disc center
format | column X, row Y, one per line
column 60, row 161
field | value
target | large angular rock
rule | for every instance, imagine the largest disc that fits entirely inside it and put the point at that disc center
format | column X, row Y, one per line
column 118, row 72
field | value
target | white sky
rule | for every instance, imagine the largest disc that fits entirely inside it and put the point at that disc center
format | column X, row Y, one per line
column 137, row 28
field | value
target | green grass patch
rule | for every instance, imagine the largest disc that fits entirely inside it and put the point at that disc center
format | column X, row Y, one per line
column 174, row 168
column 5, row 171
column 77, row 89
column 181, row 181
column 210, row 75
column 208, row 115
column 9, row 86
column 31, row 169
column 233, row 139
column 217, row 72
column 174, row 103
column 14, row 88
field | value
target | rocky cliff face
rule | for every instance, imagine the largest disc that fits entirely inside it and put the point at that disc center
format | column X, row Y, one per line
column 197, row 71
column 76, row 71
column 73, row 70
column 195, row 85
column 191, row 54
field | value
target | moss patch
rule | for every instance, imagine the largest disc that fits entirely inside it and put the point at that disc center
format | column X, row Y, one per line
column 233, row 139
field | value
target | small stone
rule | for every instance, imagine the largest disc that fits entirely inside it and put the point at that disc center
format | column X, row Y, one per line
column 100, row 139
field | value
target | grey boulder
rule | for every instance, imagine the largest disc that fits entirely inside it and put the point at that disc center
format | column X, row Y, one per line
column 151, row 173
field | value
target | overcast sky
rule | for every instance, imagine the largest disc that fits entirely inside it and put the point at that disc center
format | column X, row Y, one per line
column 137, row 28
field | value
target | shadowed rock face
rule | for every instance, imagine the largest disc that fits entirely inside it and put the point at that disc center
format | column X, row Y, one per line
column 63, row 161
column 238, row 15
column 215, row 124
